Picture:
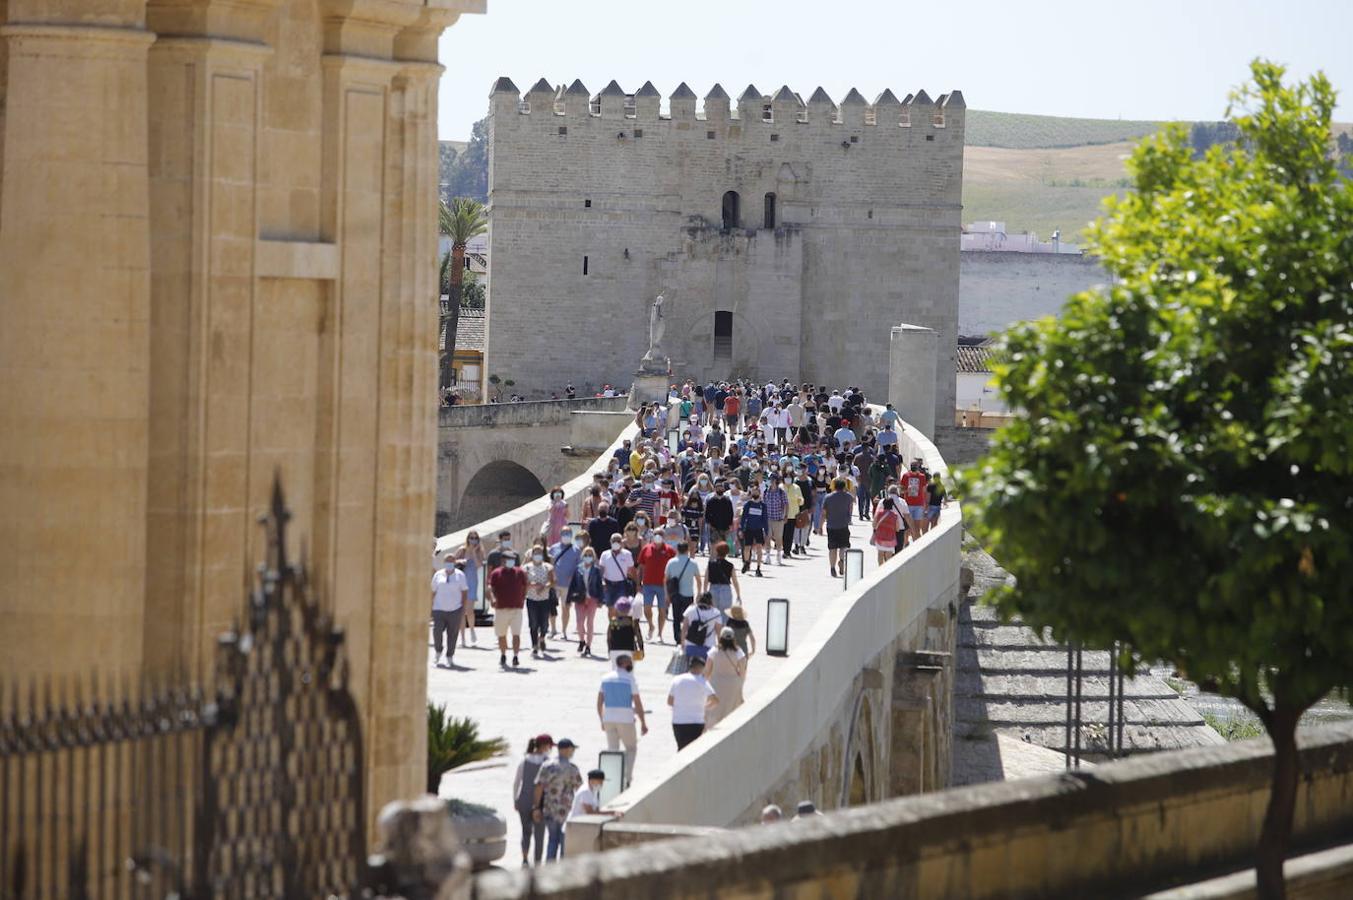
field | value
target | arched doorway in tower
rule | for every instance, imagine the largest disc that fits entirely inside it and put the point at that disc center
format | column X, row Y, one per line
column 732, row 210
column 498, row 487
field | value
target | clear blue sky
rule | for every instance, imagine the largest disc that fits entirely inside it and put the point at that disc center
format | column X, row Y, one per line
column 1148, row 59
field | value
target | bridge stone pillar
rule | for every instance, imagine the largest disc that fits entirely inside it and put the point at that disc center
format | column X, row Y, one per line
column 914, row 354
column 919, row 758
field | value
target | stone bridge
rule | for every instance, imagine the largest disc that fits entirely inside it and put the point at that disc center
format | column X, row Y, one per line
column 495, row 457
column 858, row 710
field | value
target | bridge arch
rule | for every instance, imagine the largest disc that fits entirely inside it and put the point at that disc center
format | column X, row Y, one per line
column 497, row 487
column 859, row 769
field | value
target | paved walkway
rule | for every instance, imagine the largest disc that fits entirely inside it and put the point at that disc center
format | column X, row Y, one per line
column 559, row 695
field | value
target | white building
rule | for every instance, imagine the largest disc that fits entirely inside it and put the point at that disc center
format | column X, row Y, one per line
column 974, row 389
column 993, row 236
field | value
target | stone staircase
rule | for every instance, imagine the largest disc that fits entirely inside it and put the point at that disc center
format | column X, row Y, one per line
column 1010, row 681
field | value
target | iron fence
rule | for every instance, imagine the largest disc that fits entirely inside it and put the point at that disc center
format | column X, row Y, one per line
column 251, row 789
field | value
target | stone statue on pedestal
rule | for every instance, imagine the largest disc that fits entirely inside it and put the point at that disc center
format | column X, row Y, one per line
column 655, row 360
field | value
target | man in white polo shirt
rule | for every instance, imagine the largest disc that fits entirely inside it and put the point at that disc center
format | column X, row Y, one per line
column 450, row 594
column 689, row 696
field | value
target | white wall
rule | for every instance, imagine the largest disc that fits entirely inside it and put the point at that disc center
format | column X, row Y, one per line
column 716, row 779
column 998, row 289
column 975, row 389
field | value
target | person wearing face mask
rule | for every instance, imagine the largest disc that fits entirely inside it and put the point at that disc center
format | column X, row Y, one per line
column 601, row 528
column 693, row 515
column 495, row 557
column 777, row 512
column 737, row 496
column 653, row 560
column 450, row 599
column 507, row 593
column 564, row 556
column 617, row 567
column 673, row 532
column 681, row 583
column 585, row 592
column 471, row 558
column 539, row 584
column 558, row 516
column 618, row 707
column 754, row 523
column 645, row 500
column 718, row 515
column 592, row 502
column 587, row 802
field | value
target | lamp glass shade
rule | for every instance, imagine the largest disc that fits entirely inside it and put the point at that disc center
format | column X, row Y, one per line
column 777, row 626
column 612, row 762
column 854, row 567
column 481, row 603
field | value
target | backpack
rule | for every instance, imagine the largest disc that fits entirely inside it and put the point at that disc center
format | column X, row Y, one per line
column 698, row 631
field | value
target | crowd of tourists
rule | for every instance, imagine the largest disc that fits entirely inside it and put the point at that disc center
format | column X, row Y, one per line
column 753, row 475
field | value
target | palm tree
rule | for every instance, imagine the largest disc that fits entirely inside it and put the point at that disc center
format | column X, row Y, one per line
column 461, row 220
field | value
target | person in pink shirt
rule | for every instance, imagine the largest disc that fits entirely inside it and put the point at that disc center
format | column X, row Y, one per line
column 558, row 515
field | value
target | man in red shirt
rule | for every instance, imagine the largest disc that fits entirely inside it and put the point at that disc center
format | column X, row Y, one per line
column 652, row 575
column 507, row 595
column 732, row 410
column 914, row 493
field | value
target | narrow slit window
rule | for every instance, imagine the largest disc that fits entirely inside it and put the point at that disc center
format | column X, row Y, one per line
column 584, row 265
column 770, row 210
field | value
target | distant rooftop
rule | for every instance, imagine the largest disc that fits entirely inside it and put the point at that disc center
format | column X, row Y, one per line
column 974, row 355
column 471, row 333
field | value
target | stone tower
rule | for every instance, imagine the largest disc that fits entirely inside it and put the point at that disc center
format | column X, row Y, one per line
column 218, row 261
column 788, row 237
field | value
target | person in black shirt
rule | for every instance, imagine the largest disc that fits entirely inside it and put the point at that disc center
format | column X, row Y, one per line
column 600, row 529
column 719, row 514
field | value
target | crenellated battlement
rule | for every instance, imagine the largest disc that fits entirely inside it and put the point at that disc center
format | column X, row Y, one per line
column 784, row 105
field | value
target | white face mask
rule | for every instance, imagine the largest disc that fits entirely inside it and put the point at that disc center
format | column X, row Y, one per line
column 615, row 547
column 506, row 545
column 538, row 557
column 449, row 566
column 510, row 562
column 588, row 562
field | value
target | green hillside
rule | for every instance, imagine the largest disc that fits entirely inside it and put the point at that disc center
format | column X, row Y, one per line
column 1021, row 131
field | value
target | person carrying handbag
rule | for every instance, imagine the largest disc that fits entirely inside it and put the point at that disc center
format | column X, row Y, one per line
column 682, row 584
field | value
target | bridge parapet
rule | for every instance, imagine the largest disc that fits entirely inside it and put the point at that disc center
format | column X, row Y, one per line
column 494, row 456
column 526, row 520
column 527, row 412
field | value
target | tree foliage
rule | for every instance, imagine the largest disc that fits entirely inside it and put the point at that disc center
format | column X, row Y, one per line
column 461, row 220
column 466, row 174
column 1181, row 478
column 1205, row 135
